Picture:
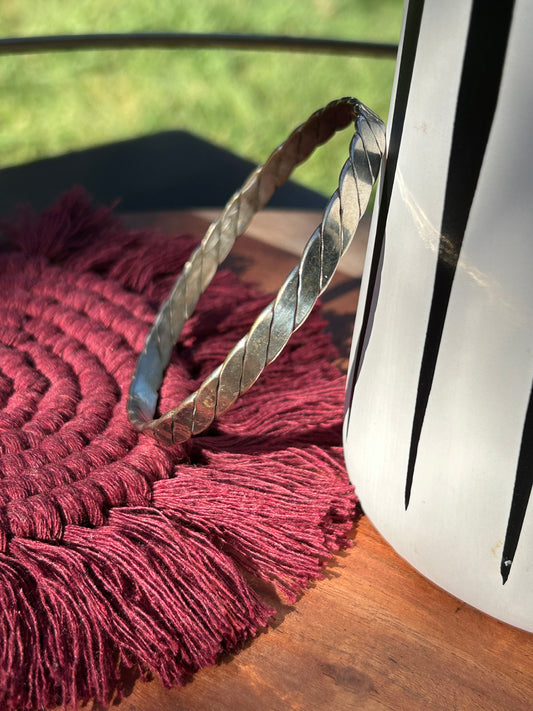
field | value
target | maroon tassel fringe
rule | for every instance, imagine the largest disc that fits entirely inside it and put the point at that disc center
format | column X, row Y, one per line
column 116, row 552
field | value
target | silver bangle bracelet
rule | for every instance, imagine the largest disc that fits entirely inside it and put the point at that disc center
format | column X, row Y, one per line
column 296, row 297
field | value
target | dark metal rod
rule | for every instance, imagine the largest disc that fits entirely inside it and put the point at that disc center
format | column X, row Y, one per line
column 179, row 40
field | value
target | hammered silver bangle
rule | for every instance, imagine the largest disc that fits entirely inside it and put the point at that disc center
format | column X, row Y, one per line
column 296, row 297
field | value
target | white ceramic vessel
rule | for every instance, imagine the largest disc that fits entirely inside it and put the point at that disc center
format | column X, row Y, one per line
column 439, row 419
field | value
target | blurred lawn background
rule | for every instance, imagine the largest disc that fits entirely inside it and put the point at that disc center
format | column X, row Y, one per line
column 244, row 101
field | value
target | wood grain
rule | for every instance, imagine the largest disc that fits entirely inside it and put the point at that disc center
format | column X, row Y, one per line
column 373, row 634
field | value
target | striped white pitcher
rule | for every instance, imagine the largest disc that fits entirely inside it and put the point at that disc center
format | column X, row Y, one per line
column 439, row 418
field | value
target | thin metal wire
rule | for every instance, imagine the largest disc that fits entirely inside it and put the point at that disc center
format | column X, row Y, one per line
column 298, row 294
column 187, row 40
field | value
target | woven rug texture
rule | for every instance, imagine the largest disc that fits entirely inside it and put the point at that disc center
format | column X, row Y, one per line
column 116, row 552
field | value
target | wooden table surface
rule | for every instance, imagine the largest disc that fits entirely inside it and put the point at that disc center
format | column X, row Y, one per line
column 373, row 634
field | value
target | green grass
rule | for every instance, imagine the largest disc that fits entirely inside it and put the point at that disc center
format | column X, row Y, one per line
column 244, row 101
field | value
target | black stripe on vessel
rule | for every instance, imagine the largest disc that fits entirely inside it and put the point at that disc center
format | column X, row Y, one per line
column 521, row 493
column 407, row 61
column 486, row 44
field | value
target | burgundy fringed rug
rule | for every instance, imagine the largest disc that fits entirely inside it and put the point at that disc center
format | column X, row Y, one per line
column 118, row 552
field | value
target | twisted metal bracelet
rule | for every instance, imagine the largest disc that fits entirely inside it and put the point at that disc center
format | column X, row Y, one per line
column 295, row 299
